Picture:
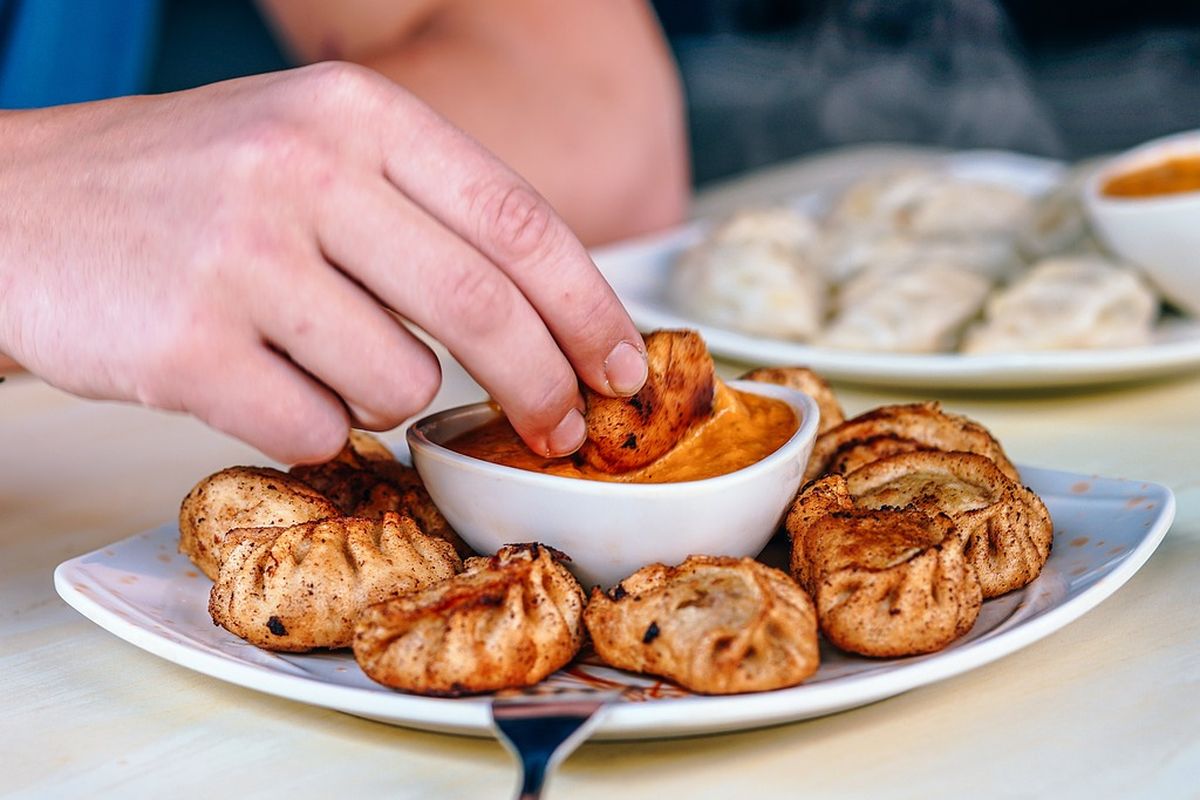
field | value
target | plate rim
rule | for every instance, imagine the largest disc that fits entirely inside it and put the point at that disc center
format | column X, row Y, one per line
column 624, row 721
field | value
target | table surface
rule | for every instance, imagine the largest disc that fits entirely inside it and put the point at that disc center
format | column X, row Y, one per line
column 1107, row 707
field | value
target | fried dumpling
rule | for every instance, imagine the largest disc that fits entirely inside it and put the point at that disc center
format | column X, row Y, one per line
column 1005, row 528
column 402, row 491
column 804, row 380
column 304, row 587
column 1067, row 303
column 365, row 480
column 886, row 583
column 243, row 497
column 349, row 477
column 922, row 309
column 626, row 433
column 506, row 621
column 893, row 429
column 712, row 625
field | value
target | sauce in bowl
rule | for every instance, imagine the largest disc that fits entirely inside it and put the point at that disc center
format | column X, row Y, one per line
column 744, row 428
column 1174, row 175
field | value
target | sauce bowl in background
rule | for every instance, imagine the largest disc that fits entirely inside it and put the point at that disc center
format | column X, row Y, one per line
column 1158, row 232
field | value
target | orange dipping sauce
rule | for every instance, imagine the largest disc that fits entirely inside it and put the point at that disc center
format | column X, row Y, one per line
column 1174, row 175
column 744, row 429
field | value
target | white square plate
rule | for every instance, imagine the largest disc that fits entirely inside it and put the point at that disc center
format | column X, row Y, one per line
column 145, row 592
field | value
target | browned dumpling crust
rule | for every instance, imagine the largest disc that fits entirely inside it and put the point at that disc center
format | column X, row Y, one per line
column 348, row 478
column 365, row 480
column 713, row 625
column 803, row 379
column 889, row 430
column 1005, row 528
column 626, row 433
column 243, row 497
column 888, row 582
column 506, row 621
column 304, row 587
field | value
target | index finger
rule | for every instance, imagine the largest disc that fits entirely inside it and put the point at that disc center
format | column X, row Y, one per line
column 474, row 194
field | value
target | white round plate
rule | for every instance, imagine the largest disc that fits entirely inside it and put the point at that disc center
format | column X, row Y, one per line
column 638, row 270
column 145, row 592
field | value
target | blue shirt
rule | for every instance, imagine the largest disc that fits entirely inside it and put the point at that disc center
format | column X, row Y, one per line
column 68, row 51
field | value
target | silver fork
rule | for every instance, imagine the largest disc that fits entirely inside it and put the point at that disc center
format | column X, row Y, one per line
column 542, row 731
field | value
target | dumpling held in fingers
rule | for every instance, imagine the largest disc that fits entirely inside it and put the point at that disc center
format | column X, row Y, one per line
column 712, row 625
column 1004, row 527
column 888, row 430
column 243, row 497
column 304, row 587
column 886, row 583
column 507, row 621
column 626, row 433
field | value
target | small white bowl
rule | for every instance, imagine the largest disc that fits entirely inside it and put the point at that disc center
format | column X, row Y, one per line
column 610, row 530
column 1160, row 234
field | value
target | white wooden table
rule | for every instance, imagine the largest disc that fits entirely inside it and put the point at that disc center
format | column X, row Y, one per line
column 1108, row 707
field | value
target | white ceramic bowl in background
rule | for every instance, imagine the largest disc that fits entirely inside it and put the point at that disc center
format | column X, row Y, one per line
column 1160, row 234
column 610, row 530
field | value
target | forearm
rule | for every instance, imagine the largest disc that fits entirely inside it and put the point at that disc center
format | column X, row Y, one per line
column 10, row 140
column 581, row 98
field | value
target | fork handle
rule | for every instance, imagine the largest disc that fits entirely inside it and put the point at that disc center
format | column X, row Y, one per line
column 541, row 735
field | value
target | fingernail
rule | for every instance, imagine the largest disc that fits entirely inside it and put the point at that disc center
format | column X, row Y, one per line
column 568, row 436
column 625, row 368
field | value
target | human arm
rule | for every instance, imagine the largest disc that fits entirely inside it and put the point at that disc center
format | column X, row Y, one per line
column 236, row 251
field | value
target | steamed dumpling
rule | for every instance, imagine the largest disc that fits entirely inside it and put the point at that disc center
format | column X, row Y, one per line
column 304, row 587
column 506, row 621
column 712, row 625
column 874, row 203
column 1056, row 221
column 958, row 207
column 921, row 310
column 1067, row 303
column 928, row 204
column 786, row 227
column 846, row 253
column 755, row 275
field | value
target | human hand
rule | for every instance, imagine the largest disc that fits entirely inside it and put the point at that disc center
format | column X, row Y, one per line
column 236, row 251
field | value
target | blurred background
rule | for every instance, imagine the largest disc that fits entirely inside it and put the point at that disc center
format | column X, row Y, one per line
column 772, row 79
column 768, row 80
